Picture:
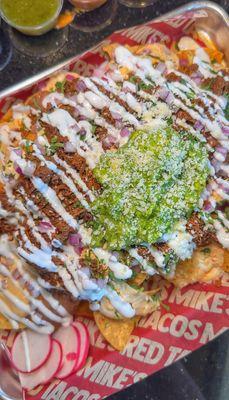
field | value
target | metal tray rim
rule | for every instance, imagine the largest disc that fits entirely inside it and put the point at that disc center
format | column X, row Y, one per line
column 195, row 5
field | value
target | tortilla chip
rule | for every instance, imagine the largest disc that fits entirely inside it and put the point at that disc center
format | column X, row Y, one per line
column 226, row 261
column 205, row 265
column 7, row 117
column 83, row 310
column 6, row 325
column 13, row 289
column 116, row 332
column 139, row 278
column 59, row 77
column 158, row 51
column 110, row 49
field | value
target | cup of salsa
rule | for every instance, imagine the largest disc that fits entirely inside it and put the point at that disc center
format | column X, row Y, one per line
column 87, row 5
column 31, row 17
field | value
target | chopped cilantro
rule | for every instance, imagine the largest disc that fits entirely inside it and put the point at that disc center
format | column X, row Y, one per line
column 60, row 86
column 93, row 128
column 156, row 297
column 110, row 283
column 134, row 273
column 54, row 146
column 28, row 146
column 169, row 120
column 176, row 46
column 226, row 111
column 183, row 81
column 35, row 103
column 165, row 306
column 140, row 84
column 206, row 250
column 207, row 85
column 191, row 95
column 112, row 276
column 212, row 71
column 144, row 86
column 167, row 258
column 133, row 79
column 136, row 287
column 77, row 204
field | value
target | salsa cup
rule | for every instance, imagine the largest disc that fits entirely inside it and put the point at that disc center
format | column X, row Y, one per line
column 34, row 30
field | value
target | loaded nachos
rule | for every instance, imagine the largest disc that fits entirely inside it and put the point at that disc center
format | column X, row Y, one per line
column 111, row 180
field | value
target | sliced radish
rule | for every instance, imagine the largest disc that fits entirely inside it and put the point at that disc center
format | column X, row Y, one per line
column 69, row 340
column 46, row 373
column 30, row 350
column 84, row 344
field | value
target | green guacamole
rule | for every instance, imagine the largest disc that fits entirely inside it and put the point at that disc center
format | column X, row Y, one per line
column 29, row 12
column 149, row 184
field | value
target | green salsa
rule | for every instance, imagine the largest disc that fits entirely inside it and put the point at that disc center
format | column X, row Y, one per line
column 29, row 13
column 149, row 184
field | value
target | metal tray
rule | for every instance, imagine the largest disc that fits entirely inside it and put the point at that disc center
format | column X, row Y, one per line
column 215, row 23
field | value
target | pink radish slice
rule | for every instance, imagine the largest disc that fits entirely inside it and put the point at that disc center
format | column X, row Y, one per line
column 84, row 344
column 69, row 340
column 46, row 373
column 30, row 350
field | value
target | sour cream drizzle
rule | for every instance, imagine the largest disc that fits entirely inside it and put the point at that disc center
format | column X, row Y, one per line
column 31, row 289
column 90, row 103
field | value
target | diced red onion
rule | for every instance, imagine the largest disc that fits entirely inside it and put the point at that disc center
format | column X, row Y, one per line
column 125, row 132
column 196, row 74
column 80, row 86
column 216, row 164
column 69, row 148
column 198, row 125
column 197, row 80
column 17, row 151
column 221, row 150
column 209, row 187
column 16, row 274
column 110, row 140
column 41, row 85
column 75, row 127
column 169, row 99
column 225, row 130
column 163, row 93
column 75, row 239
column 82, row 132
column 82, row 118
column 18, row 169
column 40, row 147
column 118, row 124
column 183, row 62
column 161, row 67
column 44, row 226
column 116, row 116
column 208, row 206
column 70, row 77
column 101, row 70
column 75, row 113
